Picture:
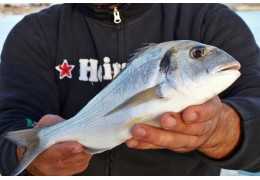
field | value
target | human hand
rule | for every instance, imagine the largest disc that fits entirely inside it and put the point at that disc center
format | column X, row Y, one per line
column 212, row 128
column 65, row 158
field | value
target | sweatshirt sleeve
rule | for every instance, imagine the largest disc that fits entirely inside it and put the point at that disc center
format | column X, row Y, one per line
column 27, row 85
column 226, row 30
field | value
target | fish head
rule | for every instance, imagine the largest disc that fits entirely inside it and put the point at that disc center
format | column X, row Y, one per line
column 196, row 69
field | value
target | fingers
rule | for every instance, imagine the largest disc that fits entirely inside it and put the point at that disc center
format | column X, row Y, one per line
column 75, row 163
column 203, row 112
column 163, row 138
column 180, row 132
column 66, row 158
column 71, row 166
column 72, row 170
column 82, row 157
column 48, row 120
column 184, row 150
column 132, row 143
column 174, row 122
column 65, row 149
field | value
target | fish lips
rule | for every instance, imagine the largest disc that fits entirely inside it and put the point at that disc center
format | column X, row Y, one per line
column 231, row 66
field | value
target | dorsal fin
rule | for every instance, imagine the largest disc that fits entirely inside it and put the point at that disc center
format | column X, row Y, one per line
column 140, row 74
column 140, row 51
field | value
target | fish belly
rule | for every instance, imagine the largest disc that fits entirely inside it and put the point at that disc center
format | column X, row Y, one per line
column 104, row 133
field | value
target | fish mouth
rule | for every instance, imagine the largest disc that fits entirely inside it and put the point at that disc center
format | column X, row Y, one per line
column 235, row 66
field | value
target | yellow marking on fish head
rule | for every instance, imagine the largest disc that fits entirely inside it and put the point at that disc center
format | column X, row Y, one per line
column 145, row 120
column 134, row 121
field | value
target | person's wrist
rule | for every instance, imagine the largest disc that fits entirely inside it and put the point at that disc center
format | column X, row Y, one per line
column 226, row 135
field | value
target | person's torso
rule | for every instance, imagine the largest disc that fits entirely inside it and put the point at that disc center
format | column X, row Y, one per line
column 99, row 49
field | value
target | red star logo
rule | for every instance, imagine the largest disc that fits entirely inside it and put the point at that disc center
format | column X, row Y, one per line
column 65, row 69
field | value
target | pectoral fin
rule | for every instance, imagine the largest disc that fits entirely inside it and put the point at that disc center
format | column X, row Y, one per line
column 164, row 90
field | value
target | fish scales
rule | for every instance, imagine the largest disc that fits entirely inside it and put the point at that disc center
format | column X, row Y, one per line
column 163, row 77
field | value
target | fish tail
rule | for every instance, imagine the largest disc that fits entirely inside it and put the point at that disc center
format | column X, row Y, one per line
column 29, row 139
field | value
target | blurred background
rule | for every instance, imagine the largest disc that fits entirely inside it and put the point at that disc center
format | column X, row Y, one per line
column 10, row 14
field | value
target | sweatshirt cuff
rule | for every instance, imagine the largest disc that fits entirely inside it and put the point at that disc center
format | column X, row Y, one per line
column 247, row 153
column 8, row 157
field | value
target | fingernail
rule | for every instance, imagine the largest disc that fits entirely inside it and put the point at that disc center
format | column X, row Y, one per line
column 139, row 131
column 168, row 122
column 132, row 143
column 191, row 117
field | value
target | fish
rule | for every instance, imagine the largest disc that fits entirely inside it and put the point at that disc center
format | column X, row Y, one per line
column 159, row 78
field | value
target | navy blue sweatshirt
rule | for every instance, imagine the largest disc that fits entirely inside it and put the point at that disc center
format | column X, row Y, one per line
column 56, row 60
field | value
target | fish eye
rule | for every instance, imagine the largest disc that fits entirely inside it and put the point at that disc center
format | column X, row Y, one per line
column 198, row 52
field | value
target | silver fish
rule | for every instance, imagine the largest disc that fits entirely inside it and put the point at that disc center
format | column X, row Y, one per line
column 163, row 77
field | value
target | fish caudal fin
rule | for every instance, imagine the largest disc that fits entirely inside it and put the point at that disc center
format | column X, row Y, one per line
column 29, row 139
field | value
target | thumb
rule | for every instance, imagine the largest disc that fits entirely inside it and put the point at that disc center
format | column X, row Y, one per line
column 67, row 148
column 190, row 115
column 48, row 120
column 202, row 112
